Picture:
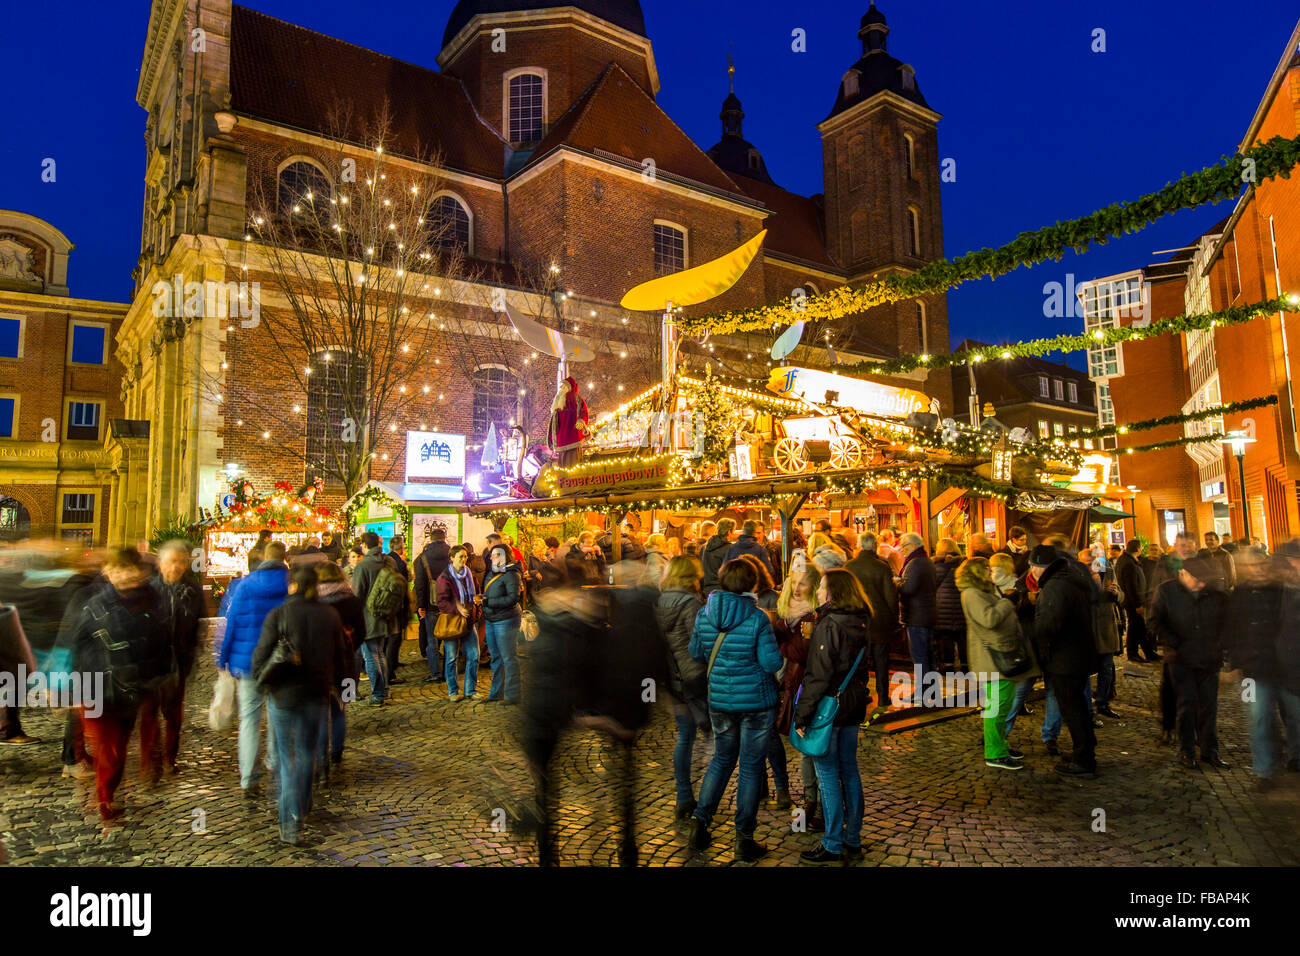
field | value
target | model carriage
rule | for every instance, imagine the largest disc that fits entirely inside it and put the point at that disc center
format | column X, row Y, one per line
column 825, row 439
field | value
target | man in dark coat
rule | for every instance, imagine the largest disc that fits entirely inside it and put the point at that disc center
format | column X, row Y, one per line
column 877, row 579
column 181, row 594
column 1132, row 581
column 1189, row 617
column 330, row 546
column 428, row 565
column 1062, row 631
column 713, row 555
column 1166, row 569
column 748, row 543
column 1222, row 559
column 630, row 548
column 918, row 594
column 1018, row 547
column 379, row 631
column 590, row 555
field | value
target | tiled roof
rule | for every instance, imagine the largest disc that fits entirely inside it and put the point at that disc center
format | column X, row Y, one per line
column 797, row 225
column 290, row 75
column 615, row 115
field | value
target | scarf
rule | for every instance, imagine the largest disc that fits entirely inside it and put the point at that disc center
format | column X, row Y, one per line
column 464, row 582
column 1004, row 580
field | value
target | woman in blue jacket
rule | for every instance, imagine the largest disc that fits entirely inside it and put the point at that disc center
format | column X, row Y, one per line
column 736, row 640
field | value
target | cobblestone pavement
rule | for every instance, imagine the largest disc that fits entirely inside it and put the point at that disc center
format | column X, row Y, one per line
column 421, row 780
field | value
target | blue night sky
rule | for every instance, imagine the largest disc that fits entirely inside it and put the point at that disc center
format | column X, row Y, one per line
column 1041, row 128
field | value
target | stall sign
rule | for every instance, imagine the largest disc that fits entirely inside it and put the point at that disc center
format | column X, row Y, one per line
column 596, row 477
column 827, row 388
column 435, row 455
column 742, row 465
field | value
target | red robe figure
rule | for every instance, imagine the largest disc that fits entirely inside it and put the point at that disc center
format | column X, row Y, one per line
column 568, row 424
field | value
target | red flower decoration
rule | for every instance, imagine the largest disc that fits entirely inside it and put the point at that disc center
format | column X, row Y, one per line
column 261, row 509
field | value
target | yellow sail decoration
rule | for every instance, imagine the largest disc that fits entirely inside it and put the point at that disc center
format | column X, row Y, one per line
column 693, row 286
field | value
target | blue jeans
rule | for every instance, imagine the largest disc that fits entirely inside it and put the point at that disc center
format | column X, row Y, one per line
column 736, row 738
column 435, row 646
column 250, row 733
column 841, row 787
column 503, row 644
column 372, row 655
column 468, row 646
column 919, row 642
column 1052, row 713
column 1263, row 726
column 333, row 731
column 690, row 717
column 297, row 732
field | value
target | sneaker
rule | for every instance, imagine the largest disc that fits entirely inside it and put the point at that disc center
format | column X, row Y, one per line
column 1026, row 710
column 1076, row 770
column 376, row 701
column 479, row 698
column 820, row 857
column 747, row 851
column 699, row 838
column 1015, row 754
column 456, row 698
column 1052, row 748
column 80, row 771
column 1004, row 763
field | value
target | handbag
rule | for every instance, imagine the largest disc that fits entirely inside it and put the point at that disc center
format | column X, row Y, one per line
column 1011, row 663
column 816, row 740
column 528, row 624
column 282, row 664
column 450, row 627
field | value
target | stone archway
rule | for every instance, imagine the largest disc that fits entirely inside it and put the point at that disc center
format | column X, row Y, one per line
column 30, row 504
column 15, row 520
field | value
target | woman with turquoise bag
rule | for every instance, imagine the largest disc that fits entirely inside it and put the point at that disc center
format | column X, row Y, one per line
column 835, row 654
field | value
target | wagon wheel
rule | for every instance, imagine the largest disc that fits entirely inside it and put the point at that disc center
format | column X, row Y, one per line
column 789, row 456
column 846, row 453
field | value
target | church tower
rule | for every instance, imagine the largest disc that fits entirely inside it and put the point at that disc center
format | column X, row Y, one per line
column 880, row 153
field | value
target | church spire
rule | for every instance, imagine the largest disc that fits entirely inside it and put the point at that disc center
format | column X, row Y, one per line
column 731, row 114
column 873, row 31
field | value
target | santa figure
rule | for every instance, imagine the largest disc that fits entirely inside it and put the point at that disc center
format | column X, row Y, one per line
column 569, row 425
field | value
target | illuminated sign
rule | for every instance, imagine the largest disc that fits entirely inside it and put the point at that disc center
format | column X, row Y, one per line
column 435, row 455
column 826, row 388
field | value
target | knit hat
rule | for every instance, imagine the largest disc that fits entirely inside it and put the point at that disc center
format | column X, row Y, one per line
column 1042, row 556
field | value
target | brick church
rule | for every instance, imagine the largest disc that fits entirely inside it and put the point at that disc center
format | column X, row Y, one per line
column 544, row 122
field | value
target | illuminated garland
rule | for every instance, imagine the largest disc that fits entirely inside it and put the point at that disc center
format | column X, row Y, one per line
column 377, row 495
column 1277, row 157
column 1176, row 443
column 1216, row 412
column 276, row 512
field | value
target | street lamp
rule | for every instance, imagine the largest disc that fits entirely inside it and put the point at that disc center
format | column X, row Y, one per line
column 1132, row 506
column 1238, row 441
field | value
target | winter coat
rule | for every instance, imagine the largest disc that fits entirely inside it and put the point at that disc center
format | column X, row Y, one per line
column 402, row 567
column 125, row 634
column 918, row 592
column 429, row 564
column 877, row 579
column 629, row 548
column 827, row 557
column 1132, row 580
column 1162, row 571
column 1105, row 619
column 1254, row 639
column 948, row 605
column 503, row 593
column 741, row 680
column 794, row 649
column 569, row 419
column 991, row 622
column 15, row 651
column 1191, row 624
column 333, row 550
column 1225, row 565
column 363, row 579
column 676, row 612
column 774, row 560
column 338, row 595
column 1062, row 620
column 712, row 557
column 316, row 633
column 43, row 599
column 258, row 593
column 837, row 639
column 595, row 561
column 656, row 563
column 748, row 544
column 1019, row 558
column 448, row 598
column 184, row 607
column 1288, row 642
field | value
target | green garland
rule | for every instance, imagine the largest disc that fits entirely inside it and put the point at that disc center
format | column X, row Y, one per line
column 1275, row 158
column 1216, row 411
column 368, row 495
column 1174, row 443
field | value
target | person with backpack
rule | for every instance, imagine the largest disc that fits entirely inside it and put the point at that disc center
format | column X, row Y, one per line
column 836, row 667
column 429, row 565
column 455, row 591
column 333, row 590
column 383, row 595
column 736, row 640
column 258, row 593
column 120, row 633
column 502, row 603
column 297, row 660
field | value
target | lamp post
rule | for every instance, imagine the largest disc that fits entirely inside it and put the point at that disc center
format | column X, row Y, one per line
column 1132, row 506
column 1238, row 441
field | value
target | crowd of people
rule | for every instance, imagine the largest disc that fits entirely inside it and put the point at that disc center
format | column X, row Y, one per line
column 755, row 650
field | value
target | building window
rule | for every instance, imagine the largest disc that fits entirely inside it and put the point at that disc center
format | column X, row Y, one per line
column 496, row 400
column 909, row 155
column 450, row 224
column 78, row 509
column 301, row 182
column 1105, row 407
column 88, row 344
column 1073, row 390
column 336, row 390
column 1074, row 430
column 1044, row 430
column 8, row 416
column 1058, row 429
column 525, row 108
column 15, row 521
column 670, row 249
column 1042, row 386
column 1058, row 390
column 11, row 337
column 921, row 336
column 1087, row 443
column 914, row 230
column 1104, row 303
column 83, row 421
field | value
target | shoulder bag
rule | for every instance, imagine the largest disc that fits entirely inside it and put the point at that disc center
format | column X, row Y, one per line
column 816, row 740
column 284, row 661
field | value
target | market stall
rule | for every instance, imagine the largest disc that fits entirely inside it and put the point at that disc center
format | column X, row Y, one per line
column 291, row 516
column 414, row 510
